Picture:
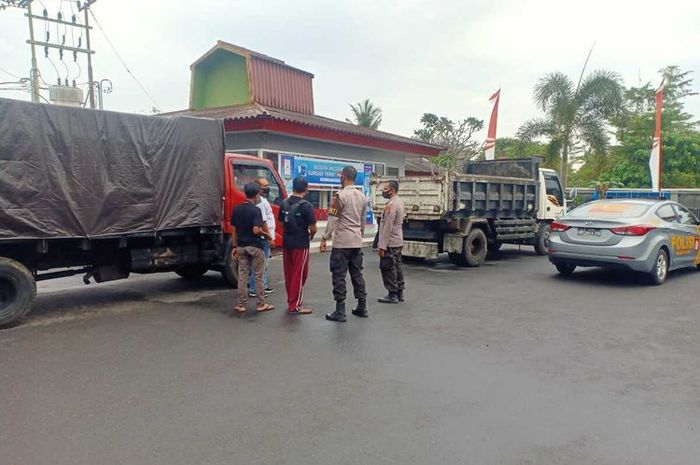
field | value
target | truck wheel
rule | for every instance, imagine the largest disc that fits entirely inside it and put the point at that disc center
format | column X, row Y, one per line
column 494, row 246
column 230, row 271
column 192, row 272
column 17, row 291
column 565, row 268
column 474, row 250
column 659, row 272
column 542, row 239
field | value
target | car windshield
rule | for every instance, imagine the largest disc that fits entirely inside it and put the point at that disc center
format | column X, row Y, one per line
column 609, row 210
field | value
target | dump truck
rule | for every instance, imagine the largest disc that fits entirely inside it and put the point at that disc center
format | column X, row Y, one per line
column 107, row 194
column 471, row 213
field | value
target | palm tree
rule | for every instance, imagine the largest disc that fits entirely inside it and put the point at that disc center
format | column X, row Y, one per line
column 366, row 114
column 576, row 117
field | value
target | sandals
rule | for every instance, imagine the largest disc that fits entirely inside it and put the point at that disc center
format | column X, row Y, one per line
column 265, row 308
column 300, row 311
column 239, row 309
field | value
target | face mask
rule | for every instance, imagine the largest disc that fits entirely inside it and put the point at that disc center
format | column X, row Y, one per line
column 265, row 191
column 386, row 194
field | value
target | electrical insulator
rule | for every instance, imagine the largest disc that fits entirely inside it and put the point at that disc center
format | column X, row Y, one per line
column 59, row 81
column 66, row 82
column 46, row 51
column 75, row 55
column 60, row 53
column 64, row 40
column 47, row 36
column 60, row 16
column 73, row 82
column 80, row 41
column 74, row 19
column 46, row 13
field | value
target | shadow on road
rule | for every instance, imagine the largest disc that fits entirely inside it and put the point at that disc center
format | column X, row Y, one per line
column 615, row 278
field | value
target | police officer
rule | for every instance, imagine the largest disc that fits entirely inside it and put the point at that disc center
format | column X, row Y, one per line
column 390, row 243
column 346, row 227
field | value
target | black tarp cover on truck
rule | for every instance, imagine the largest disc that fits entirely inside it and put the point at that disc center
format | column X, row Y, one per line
column 77, row 173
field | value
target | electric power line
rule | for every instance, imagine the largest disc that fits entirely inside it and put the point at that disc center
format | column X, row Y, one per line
column 9, row 73
column 109, row 41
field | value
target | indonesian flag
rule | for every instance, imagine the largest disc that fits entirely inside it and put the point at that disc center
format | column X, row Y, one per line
column 655, row 157
column 490, row 145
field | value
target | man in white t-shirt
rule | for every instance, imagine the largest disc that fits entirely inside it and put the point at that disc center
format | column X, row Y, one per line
column 269, row 219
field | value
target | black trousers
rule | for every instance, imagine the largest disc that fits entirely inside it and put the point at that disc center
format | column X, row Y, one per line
column 391, row 266
column 342, row 261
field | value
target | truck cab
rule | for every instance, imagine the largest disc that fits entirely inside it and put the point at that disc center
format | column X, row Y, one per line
column 552, row 203
column 242, row 169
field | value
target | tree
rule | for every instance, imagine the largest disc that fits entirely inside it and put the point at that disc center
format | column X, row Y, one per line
column 366, row 114
column 680, row 137
column 576, row 117
column 508, row 147
column 456, row 138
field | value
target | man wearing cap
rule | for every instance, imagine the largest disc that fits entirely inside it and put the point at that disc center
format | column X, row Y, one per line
column 346, row 227
column 390, row 243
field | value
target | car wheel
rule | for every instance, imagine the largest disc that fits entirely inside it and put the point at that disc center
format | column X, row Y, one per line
column 659, row 272
column 565, row 268
column 542, row 239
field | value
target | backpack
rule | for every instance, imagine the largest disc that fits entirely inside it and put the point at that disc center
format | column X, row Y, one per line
column 290, row 218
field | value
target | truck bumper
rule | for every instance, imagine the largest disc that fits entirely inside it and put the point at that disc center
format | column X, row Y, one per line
column 420, row 249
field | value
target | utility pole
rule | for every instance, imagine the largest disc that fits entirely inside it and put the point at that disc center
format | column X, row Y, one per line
column 86, row 9
column 34, row 73
column 61, row 47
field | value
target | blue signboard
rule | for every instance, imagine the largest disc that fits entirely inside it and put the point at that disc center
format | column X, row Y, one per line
column 324, row 172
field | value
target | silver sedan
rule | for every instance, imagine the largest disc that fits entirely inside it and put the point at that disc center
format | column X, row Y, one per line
column 647, row 236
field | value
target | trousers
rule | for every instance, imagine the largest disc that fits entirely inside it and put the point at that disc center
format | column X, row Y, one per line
column 343, row 261
column 266, row 277
column 391, row 266
column 296, row 271
column 250, row 261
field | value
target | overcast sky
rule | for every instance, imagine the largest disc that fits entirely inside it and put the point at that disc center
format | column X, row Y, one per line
column 408, row 56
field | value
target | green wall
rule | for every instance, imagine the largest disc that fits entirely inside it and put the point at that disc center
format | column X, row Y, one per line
column 220, row 80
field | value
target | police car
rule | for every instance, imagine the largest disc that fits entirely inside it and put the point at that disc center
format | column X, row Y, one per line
column 651, row 237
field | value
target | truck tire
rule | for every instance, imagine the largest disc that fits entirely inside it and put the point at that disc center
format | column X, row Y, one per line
column 494, row 246
column 230, row 271
column 17, row 291
column 474, row 249
column 542, row 239
column 192, row 272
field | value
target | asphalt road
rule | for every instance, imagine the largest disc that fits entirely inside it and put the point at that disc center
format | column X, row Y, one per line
column 506, row 364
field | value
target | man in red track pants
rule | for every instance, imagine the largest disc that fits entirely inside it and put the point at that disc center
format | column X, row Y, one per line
column 299, row 220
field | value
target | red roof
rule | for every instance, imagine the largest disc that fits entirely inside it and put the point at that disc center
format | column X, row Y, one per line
column 256, row 117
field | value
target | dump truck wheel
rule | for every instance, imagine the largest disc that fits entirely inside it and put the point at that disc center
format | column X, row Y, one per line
column 474, row 250
column 230, row 271
column 17, row 291
column 542, row 239
column 494, row 246
column 192, row 272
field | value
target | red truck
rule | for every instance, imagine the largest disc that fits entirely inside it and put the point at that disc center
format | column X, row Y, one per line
column 108, row 194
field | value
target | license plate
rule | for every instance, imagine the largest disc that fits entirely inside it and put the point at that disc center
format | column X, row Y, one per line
column 588, row 232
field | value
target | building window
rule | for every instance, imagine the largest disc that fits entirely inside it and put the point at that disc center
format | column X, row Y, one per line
column 391, row 171
column 274, row 158
column 378, row 169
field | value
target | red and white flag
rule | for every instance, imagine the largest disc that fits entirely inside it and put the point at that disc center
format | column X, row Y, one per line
column 490, row 145
column 656, row 155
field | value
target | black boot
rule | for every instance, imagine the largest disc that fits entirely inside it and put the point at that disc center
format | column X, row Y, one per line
column 390, row 298
column 361, row 309
column 399, row 295
column 339, row 313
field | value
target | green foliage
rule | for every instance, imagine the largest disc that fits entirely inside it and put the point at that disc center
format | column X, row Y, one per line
column 627, row 163
column 575, row 116
column 366, row 114
column 455, row 137
column 507, row 147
